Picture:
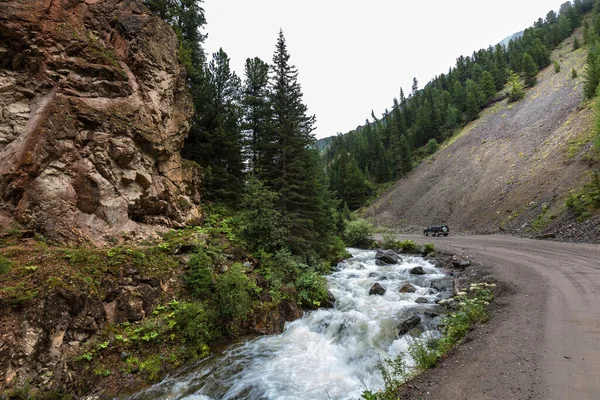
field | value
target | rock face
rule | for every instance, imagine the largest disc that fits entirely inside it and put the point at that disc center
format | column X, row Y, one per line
column 93, row 114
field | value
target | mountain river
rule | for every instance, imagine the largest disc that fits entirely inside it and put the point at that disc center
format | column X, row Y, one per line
column 329, row 353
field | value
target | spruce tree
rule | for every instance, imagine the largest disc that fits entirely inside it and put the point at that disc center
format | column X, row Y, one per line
column 217, row 143
column 257, row 115
column 294, row 170
column 530, row 70
column 487, row 84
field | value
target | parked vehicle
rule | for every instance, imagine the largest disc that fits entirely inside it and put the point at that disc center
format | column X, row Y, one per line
column 436, row 230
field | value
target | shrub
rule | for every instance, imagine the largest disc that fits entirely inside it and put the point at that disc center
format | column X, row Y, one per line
column 556, row 67
column 312, row 289
column 234, row 293
column 408, row 246
column 573, row 73
column 425, row 357
column 576, row 44
column 199, row 276
column 196, row 325
column 5, row 265
column 516, row 88
column 359, row 233
column 431, row 146
column 389, row 241
column 428, row 248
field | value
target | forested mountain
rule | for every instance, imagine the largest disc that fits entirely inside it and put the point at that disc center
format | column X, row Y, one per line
column 526, row 167
column 386, row 148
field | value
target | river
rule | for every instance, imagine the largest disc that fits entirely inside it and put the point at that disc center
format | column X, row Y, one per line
column 327, row 354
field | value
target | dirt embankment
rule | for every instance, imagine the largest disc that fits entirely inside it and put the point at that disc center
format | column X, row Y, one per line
column 543, row 338
column 510, row 170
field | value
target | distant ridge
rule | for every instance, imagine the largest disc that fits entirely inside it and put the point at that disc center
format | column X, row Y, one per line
column 506, row 40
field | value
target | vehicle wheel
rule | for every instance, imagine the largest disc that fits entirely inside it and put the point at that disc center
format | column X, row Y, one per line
column 445, row 234
column 426, row 233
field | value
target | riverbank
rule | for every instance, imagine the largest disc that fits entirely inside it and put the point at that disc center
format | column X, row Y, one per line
column 541, row 341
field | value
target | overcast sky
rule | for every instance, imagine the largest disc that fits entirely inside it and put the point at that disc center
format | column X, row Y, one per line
column 354, row 56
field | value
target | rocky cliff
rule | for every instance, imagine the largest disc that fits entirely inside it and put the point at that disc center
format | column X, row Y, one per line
column 93, row 114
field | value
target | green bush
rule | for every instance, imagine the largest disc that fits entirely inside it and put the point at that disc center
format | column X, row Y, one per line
column 556, row 67
column 5, row 265
column 312, row 289
column 197, row 327
column 425, row 357
column 359, row 233
column 389, row 241
column 428, row 248
column 431, row 146
column 199, row 276
column 234, row 293
column 409, row 247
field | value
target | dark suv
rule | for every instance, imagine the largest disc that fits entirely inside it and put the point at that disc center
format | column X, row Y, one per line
column 436, row 230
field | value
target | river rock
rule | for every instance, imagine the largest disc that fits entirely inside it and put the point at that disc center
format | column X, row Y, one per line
column 407, row 288
column 377, row 289
column 408, row 324
column 418, row 271
column 330, row 302
column 458, row 262
column 387, row 256
column 444, row 286
column 421, row 300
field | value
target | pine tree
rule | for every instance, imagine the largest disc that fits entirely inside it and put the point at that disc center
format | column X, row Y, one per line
column 294, row 170
column 516, row 88
column 217, row 144
column 257, row 114
column 530, row 70
column 488, row 87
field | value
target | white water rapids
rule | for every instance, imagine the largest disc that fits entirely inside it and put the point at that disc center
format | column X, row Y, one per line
column 327, row 354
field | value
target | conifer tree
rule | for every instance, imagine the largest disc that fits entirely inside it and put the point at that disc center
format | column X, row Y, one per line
column 217, row 145
column 488, row 87
column 530, row 70
column 294, row 170
column 257, row 114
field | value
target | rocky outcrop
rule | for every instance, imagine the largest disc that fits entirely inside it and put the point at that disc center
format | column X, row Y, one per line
column 93, row 115
column 38, row 343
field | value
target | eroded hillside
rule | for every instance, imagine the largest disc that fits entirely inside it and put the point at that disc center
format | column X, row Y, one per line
column 511, row 169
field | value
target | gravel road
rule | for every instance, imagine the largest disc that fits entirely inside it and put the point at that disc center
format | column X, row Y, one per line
column 543, row 340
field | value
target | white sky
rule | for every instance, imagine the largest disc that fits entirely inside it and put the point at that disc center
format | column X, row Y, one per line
column 353, row 56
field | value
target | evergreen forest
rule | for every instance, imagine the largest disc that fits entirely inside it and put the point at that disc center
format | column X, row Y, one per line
column 365, row 161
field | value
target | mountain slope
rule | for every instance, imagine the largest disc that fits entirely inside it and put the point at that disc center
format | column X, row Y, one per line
column 514, row 164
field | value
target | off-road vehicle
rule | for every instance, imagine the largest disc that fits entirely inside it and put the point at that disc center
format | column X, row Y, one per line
column 436, row 230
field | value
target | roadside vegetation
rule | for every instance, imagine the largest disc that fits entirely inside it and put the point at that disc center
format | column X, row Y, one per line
column 469, row 309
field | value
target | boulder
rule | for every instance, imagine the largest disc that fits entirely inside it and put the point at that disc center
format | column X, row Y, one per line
column 330, row 302
column 418, row 271
column 444, row 286
column 377, row 289
column 407, row 288
column 387, row 256
column 409, row 323
column 458, row 262
column 421, row 300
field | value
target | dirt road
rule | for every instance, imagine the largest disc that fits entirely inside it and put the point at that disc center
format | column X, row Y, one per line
column 543, row 341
